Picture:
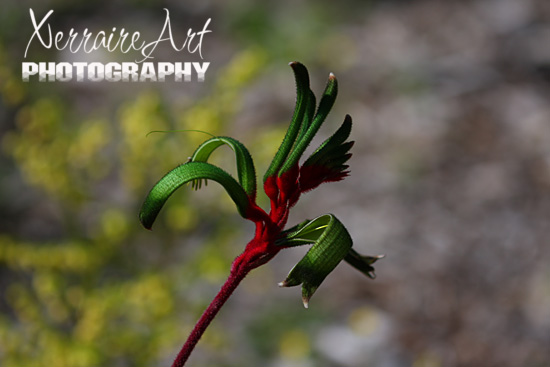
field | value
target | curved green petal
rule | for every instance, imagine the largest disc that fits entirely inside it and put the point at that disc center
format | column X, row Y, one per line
column 303, row 96
column 332, row 243
column 245, row 165
column 325, row 105
column 183, row 174
column 308, row 116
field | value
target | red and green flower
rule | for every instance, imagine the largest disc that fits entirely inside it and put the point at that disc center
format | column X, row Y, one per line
column 284, row 182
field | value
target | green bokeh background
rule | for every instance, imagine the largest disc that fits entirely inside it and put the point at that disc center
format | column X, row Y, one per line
column 450, row 179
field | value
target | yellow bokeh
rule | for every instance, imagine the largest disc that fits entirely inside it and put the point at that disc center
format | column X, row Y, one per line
column 294, row 344
column 364, row 321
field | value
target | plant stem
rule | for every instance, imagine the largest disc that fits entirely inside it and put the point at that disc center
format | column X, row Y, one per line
column 223, row 295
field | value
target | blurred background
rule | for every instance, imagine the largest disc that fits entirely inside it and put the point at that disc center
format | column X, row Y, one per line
column 450, row 179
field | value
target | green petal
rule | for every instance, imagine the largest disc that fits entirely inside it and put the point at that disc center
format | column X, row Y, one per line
column 308, row 116
column 362, row 263
column 327, row 101
column 302, row 96
column 334, row 146
column 332, row 243
column 245, row 165
column 183, row 174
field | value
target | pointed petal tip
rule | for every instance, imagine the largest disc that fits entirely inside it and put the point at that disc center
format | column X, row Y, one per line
column 306, row 302
column 331, row 76
column 282, row 284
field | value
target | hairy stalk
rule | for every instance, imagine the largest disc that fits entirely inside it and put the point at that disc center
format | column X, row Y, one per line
column 238, row 273
column 258, row 251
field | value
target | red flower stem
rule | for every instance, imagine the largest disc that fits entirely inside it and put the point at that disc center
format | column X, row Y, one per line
column 223, row 295
column 258, row 251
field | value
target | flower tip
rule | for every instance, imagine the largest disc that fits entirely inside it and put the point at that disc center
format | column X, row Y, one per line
column 282, row 284
column 331, row 76
column 306, row 302
column 294, row 64
column 147, row 227
column 146, row 224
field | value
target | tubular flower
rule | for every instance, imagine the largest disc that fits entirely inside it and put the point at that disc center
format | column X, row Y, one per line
column 284, row 182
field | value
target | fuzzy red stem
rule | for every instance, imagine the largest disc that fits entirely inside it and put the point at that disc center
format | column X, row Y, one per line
column 258, row 251
column 223, row 295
